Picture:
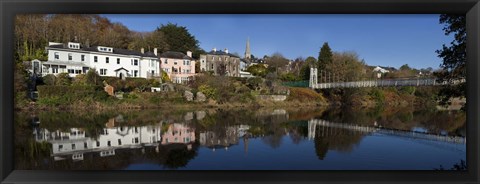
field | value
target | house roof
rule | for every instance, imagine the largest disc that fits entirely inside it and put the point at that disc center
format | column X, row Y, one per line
column 220, row 52
column 115, row 50
column 174, row 55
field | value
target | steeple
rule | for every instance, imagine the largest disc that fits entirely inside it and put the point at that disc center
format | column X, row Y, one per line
column 247, row 50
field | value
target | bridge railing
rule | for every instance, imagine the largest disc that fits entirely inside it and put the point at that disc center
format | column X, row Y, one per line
column 385, row 83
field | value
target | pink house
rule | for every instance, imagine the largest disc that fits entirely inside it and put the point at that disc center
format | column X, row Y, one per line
column 178, row 133
column 179, row 67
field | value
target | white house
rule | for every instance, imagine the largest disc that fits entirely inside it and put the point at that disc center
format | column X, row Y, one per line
column 74, row 59
column 380, row 69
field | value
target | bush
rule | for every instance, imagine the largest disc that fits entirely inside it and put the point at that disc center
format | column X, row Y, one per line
column 304, row 94
column 57, row 95
column 408, row 90
column 49, row 79
column 208, row 91
column 378, row 95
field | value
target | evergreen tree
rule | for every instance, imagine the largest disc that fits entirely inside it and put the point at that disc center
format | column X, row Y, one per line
column 178, row 38
column 454, row 57
column 324, row 57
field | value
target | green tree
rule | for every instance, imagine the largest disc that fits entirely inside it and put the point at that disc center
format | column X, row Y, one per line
column 178, row 38
column 258, row 70
column 405, row 67
column 325, row 56
column 305, row 70
column 454, row 57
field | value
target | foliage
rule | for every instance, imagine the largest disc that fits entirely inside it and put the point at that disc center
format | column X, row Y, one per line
column 454, row 56
column 276, row 61
column 305, row 69
column 63, row 95
column 325, row 56
column 345, row 66
column 93, row 78
column 378, row 95
column 49, row 79
column 254, row 83
column 258, row 70
column 179, row 39
column 304, row 95
column 408, row 90
column 208, row 91
column 63, row 79
column 289, row 77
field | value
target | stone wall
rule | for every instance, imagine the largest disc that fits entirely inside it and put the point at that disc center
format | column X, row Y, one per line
column 275, row 98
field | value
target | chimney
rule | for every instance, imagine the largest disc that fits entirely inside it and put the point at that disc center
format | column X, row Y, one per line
column 189, row 53
column 155, row 51
column 225, row 50
column 214, row 49
column 142, row 50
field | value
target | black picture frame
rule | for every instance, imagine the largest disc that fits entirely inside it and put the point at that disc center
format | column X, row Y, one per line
column 9, row 8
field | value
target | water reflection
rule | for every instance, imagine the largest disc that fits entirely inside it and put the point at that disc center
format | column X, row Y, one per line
column 208, row 139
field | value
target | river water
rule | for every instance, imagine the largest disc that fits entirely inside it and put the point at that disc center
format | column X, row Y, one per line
column 241, row 139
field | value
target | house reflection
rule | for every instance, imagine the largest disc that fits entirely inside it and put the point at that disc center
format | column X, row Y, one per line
column 179, row 133
column 74, row 142
column 223, row 138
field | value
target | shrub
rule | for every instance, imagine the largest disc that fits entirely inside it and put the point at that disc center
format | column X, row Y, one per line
column 304, row 94
column 378, row 95
column 208, row 91
column 49, row 79
column 57, row 95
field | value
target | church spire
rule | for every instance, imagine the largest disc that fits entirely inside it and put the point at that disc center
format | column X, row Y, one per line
column 247, row 50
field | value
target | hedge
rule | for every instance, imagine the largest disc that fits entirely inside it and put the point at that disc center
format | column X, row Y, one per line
column 55, row 95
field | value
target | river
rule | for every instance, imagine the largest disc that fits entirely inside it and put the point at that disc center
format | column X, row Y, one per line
column 241, row 139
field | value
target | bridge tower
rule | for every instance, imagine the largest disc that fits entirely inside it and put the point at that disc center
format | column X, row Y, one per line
column 313, row 78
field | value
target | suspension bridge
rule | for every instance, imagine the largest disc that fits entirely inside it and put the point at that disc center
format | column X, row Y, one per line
column 331, row 83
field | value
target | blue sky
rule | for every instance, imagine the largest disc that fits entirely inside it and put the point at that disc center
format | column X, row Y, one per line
column 387, row 40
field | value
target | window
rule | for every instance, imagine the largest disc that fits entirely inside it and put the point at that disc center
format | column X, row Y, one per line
column 78, row 71
column 69, row 56
column 118, row 60
column 83, row 57
column 73, row 147
column 71, row 71
column 98, row 143
column 166, row 61
column 136, row 129
column 109, row 143
column 119, row 142
column 60, row 147
column 107, row 60
column 85, row 145
column 136, row 140
column 135, row 62
column 103, row 71
column 135, row 73
column 56, row 55
column 95, row 59
column 175, row 63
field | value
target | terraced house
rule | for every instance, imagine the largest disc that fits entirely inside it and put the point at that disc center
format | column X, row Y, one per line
column 220, row 63
column 179, row 67
column 74, row 59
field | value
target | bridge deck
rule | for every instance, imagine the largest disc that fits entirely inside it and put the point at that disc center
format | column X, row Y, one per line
column 383, row 83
